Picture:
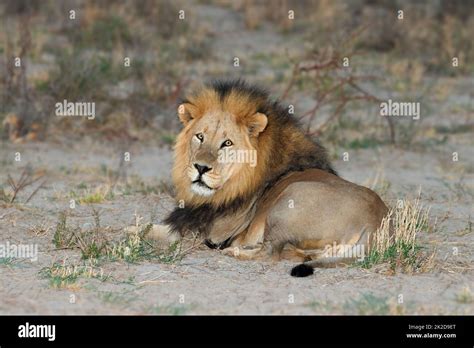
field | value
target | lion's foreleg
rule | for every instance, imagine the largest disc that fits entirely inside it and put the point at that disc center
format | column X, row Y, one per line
column 162, row 233
column 249, row 245
column 159, row 233
column 253, row 236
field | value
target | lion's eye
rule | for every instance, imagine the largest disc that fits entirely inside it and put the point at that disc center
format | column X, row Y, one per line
column 200, row 136
column 227, row 143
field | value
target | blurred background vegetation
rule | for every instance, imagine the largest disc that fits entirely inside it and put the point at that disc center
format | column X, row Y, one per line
column 299, row 59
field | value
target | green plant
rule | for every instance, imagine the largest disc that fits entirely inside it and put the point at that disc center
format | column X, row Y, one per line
column 62, row 237
column 7, row 261
column 465, row 296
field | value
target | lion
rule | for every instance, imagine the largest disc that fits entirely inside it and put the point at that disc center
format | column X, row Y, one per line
column 254, row 185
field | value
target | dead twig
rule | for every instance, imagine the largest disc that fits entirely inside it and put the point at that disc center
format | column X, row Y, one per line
column 335, row 84
column 26, row 179
column 36, row 190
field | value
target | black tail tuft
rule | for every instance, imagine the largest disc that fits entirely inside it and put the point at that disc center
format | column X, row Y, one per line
column 302, row 270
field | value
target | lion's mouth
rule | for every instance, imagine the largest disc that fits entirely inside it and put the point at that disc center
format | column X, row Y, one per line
column 200, row 188
column 201, row 183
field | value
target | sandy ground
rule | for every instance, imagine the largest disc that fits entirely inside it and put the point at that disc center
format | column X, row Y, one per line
column 206, row 282
column 214, row 283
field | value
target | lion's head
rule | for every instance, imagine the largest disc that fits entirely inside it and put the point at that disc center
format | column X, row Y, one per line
column 235, row 141
column 217, row 152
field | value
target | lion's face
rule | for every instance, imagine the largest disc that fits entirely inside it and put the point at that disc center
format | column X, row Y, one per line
column 219, row 150
column 216, row 151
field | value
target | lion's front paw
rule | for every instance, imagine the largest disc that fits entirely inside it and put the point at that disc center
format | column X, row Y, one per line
column 231, row 251
column 160, row 233
column 243, row 252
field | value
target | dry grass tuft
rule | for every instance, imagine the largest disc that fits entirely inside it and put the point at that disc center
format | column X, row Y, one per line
column 395, row 243
column 64, row 275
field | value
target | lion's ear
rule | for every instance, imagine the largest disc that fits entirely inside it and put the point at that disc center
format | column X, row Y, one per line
column 257, row 124
column 185, row 112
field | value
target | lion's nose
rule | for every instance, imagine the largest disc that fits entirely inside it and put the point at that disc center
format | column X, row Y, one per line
column 202, row 168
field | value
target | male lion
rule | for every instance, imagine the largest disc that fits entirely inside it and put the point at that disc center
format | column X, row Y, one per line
column 252, row 183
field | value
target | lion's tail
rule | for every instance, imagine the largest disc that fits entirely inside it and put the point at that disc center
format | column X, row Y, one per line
column 307, row 268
